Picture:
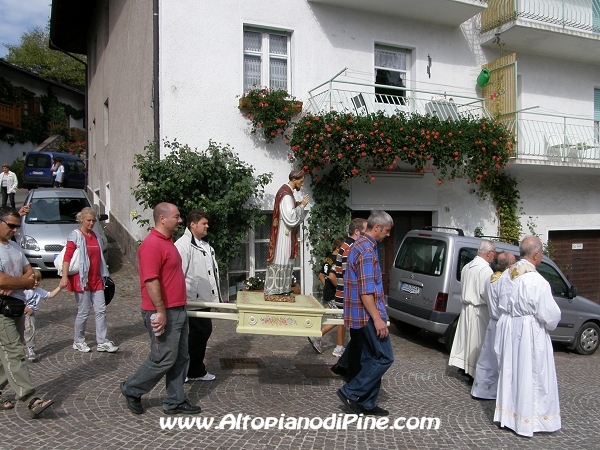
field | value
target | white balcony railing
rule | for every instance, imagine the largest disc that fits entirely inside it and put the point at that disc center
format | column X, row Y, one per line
column 549, row 137
column 542, row 138
column 342, row 93
column 574, row 14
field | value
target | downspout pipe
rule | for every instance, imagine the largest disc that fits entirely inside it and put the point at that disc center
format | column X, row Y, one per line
column 155, row 86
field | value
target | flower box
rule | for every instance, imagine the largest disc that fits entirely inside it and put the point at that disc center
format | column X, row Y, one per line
column 246, row 103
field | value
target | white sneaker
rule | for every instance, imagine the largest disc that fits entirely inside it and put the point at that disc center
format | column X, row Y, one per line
column 316, row 343
column 207, row 377
column 107, row 346
column 81, row 346
column 338, row 351
column 31, row 356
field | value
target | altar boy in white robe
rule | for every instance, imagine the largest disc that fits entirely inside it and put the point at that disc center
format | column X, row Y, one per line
column 486, row 371
column 527, row 400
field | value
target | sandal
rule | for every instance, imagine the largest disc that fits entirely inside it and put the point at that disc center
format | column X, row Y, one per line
column 6, row 405
column 37, row 406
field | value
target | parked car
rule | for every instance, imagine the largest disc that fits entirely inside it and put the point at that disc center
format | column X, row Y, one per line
column 45, row 229
column 425, row 289
column 38, row 170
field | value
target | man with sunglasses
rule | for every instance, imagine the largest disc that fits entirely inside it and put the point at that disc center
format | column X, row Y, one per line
column 16, row 275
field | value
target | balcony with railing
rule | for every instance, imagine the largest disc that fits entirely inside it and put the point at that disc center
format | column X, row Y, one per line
column 543, row 138
column 344, row 92
column 567, row 29
column 10, row 116
column 445, row 12
column 553, row 139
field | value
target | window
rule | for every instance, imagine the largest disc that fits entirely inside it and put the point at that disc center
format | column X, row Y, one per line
column 558, row 285
column 391, row 69
column 421, row 255
column 252, row 257
column 266, row 59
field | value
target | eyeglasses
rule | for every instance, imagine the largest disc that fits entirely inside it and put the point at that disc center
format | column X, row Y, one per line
column 12, row 226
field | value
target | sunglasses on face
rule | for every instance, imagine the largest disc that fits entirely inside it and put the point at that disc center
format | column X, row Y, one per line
column 12, row 226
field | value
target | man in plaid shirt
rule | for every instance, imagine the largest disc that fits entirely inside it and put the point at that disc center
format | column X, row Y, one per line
column 365, row 315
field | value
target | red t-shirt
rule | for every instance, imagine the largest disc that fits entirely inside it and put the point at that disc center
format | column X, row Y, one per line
column 159, row 258
column 95, row 282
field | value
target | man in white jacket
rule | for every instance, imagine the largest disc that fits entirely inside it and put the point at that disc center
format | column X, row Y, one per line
column 202, row 284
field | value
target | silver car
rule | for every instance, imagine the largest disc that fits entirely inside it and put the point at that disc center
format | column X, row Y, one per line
column 45, row 229
column 425, row 289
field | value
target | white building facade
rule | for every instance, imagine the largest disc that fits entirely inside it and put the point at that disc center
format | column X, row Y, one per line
column 180, row 77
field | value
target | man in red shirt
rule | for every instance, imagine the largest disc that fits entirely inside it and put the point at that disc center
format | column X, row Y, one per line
column 163, row 294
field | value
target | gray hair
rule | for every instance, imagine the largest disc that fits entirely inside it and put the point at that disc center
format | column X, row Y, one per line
column 6, row 212
column 380, row 218
column 486, row 246
column 530, row 245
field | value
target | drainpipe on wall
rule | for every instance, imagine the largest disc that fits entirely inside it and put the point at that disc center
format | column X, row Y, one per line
column 155, row 90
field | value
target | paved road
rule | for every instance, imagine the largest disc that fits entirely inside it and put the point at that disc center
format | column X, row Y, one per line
column 293, row 381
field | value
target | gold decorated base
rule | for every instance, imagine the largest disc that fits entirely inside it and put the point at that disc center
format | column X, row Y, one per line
column 280, row 298
column 302, row 317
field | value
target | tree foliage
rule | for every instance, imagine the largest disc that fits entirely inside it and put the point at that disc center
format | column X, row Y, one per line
column 214, row 180
column 34, row 54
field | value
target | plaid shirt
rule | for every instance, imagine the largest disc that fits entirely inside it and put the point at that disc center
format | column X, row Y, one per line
column 362, row 276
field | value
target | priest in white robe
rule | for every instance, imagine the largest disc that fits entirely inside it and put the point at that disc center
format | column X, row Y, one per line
column 527, row 400
column 486, row 371
column 474, row 316
column 283, row 245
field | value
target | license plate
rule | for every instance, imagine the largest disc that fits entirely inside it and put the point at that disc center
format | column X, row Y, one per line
column 55, row 255
column 35, row 172
column 410, row 288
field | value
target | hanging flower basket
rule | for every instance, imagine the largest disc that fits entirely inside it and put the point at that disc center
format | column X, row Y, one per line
column 271, row 112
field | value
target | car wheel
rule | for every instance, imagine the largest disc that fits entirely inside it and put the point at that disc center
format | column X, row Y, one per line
column 405, row 328
column 449, row 336
column 586, row 340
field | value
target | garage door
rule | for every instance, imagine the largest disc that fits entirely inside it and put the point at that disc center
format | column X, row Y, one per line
column 577, row 253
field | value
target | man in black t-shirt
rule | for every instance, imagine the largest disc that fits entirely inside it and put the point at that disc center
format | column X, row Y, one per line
column 329, row 280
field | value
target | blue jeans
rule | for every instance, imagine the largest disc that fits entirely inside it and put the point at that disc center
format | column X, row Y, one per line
column 375, row 359
column 168, row 357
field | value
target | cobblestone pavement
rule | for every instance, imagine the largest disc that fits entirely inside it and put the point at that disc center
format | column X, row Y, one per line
column 89, row 411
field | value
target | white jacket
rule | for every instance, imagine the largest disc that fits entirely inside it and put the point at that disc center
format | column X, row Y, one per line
column 197, row 272
column 12, row 183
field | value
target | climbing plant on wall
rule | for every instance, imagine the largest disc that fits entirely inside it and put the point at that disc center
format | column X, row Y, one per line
column 336, row 147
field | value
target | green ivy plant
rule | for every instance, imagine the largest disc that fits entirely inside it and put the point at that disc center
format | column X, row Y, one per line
column 214, row 180
column 270, row 111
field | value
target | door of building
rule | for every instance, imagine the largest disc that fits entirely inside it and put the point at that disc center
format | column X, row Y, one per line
column 404, row 221
column 577, row 253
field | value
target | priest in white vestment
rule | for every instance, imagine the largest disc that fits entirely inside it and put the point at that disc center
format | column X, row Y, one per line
column 486, row 371
column 283, row 245
column 474, row 315
column 527, row 400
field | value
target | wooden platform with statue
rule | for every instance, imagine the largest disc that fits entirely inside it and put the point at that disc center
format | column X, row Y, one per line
column 254, row 315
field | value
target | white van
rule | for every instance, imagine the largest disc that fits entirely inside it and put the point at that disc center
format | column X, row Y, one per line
column 425, row 289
